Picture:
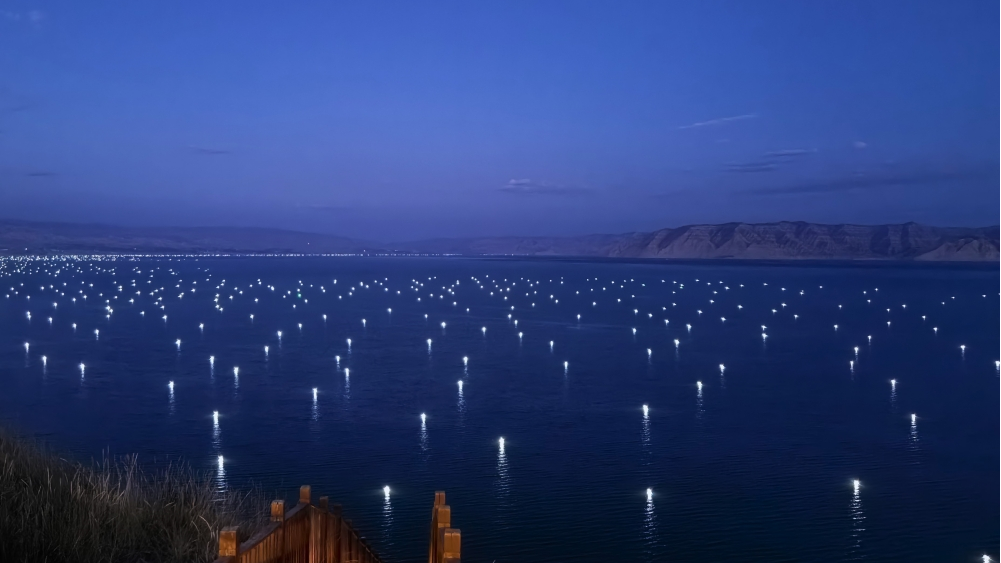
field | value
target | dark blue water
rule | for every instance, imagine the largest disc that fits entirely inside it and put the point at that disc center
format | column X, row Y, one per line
column 757, row 464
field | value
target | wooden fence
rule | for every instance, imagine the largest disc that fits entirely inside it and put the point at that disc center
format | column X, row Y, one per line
column 316, row 533
column 309, row 533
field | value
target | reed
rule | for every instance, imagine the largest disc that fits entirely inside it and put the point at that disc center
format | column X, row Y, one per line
column 54, row 510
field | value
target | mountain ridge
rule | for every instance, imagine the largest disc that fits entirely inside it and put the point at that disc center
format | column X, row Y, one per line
column 783, row 240
column 765, row 241
column 18, row 236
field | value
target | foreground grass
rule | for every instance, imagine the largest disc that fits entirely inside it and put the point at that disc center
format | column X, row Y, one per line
column 53, row 510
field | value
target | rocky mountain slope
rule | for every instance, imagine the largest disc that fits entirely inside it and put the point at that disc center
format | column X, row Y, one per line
column 771, row 241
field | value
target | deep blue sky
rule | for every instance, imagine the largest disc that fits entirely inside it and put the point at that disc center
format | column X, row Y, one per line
column 409, row 119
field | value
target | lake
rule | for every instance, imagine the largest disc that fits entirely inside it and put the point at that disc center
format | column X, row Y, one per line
column 692, row 412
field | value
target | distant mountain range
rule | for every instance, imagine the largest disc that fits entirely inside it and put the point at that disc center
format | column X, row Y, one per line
column 761, row 241
column 20, row 237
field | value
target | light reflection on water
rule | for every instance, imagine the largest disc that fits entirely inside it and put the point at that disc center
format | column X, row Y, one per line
column 645, row 432
column 503, row 485
column 699, row 405
column 387, row 517
column 858, row 524
column 220, row 477
column 425, row 447
column 650, row 529
column 315, row 411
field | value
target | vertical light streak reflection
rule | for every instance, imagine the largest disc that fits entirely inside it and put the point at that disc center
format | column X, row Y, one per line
column 893, row 395
column 216, row 432
column 425, row 448
column 858, row 522
column 699, row 404
column 315, row 412
column 347, row 387
column 649, row 529
column 503, row 483
column 220, row 476
column 645, row 432
column 387, row 517
column 217, row 449
column 170, row 397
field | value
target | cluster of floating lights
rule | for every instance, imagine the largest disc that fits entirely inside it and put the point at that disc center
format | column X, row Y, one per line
column 497, row 288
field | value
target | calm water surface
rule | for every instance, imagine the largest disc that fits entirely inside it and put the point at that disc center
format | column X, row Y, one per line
column 753, row 462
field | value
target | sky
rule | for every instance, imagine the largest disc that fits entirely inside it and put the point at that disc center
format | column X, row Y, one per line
column 395, row 121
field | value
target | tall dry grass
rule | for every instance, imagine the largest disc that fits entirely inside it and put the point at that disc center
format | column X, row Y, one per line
column 53, row 510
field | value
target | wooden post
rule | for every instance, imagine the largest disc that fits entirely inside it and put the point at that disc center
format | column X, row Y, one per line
column 439, row 500
column 277, row 511
column 228, row 544
column 304, row 494
column 324, row 503
column 278, row 515
column 444, row 521
column 452, row 538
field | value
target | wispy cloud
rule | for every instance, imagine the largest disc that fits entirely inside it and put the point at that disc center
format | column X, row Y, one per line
column 719, row 121
column 41, row 174
column 869, row 181
column 751, row 167
column 860, row 144
column 208, row 150
column 531, row 187
column 789, row 153
column 769, row 161
column 33, row 17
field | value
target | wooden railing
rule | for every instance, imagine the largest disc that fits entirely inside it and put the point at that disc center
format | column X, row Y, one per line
column 309, row 533
column 316, row 533
column 446, row 542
